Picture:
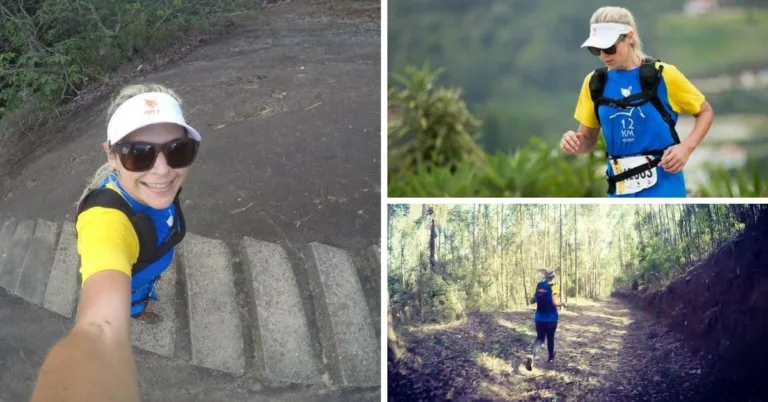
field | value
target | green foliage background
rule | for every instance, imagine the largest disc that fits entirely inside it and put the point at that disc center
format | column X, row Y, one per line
column 53, row 48
column 488, row 256
column 520, row 65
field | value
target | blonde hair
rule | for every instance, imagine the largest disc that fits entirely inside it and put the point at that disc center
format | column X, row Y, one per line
column 125, row 93
column 620, row 15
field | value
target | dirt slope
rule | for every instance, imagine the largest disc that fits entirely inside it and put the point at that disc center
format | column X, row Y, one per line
column 721, row 308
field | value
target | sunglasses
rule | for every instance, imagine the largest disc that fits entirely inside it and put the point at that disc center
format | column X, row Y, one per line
column 141, row 156
column 611, row 50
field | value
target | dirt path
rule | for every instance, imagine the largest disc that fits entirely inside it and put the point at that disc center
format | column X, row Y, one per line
column 605, row 352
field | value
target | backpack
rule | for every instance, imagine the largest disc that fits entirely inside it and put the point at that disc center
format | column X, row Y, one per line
column 149, row 251
column 650, row 77
column 544, row 300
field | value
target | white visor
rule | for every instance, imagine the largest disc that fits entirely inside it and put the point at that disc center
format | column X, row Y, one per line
column 144, row 110
column 605, row 35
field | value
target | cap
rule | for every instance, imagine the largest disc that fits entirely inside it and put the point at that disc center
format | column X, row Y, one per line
column 144, row 110
column 605, row 35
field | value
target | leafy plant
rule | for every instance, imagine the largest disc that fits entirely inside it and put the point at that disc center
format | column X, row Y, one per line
column 535, row 170
column 53, row 48
column 430, row 127
column 752, row 181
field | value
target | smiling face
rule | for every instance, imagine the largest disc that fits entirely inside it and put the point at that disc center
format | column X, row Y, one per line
column 158, row 186
column 624, row 54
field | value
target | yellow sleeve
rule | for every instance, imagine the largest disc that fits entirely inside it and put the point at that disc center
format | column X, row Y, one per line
column 585, row 108
column 681, row 94
column 105, row 241
column 555, row 290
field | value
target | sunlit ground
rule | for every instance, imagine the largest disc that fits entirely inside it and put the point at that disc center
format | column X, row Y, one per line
column 578, row 328
column 577, row 301
column 614, row 320
column 433, row 328
column 522, row 329
column 493, row 364
column 595, row 352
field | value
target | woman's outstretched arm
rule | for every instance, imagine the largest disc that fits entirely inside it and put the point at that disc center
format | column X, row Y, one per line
column 94, row 362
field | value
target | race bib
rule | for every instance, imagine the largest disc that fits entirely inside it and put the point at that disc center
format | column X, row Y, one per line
column 637, row 183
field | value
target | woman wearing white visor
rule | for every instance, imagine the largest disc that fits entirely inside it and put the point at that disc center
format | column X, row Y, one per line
column 636, row 101
column 129, row 220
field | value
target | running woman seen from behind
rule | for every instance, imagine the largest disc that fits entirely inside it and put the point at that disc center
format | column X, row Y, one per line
column 547, row 299
column 636, row 101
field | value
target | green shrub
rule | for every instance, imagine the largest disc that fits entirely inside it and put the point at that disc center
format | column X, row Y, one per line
column 751, row 181
column 536, row 170
column 431, row 126
column 446, row 302
column 55, row 47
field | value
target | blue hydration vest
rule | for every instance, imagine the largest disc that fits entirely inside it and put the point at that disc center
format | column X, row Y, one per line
column 636, row 120
column 546, row 310
column 157, row 238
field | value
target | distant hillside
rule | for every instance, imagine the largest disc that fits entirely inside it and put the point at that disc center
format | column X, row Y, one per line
column 520, row 65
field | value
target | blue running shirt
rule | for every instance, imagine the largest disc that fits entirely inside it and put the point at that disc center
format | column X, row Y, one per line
column 640, row 129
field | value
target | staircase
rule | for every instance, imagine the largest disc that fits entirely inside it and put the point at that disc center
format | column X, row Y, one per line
column 236, row 311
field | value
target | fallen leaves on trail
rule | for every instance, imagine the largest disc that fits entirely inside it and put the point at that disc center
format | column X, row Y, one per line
column 605, row 352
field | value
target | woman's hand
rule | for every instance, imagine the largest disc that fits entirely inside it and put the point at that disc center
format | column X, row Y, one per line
column 675, row 158
column 571, row 142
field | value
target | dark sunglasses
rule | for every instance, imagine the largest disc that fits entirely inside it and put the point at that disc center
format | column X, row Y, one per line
column 141, row 156
column 611, row 50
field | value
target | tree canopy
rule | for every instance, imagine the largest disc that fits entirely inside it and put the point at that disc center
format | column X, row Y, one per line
column 447, row 259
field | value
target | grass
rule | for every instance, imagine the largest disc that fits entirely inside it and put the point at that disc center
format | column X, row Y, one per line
column 713, row 43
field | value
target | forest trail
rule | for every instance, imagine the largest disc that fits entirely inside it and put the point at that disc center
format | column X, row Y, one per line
column 606, row 351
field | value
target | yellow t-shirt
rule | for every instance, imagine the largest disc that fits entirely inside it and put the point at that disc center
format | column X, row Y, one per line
column 682, row 96
column 555, row 289
column 106, row 240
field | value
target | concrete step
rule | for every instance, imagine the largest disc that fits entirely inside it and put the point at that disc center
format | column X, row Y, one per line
column 346, row 329
column 36, row 268
column 7, row 228
column 160, row 338
column 214, row 322
column 61, row 292
column 284, row 352
column 15, row 254
column 40, row 263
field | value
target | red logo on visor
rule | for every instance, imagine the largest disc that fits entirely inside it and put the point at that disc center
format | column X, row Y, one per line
column 151, row 106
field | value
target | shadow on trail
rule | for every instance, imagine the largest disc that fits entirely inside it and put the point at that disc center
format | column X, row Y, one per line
column 606, row 351
column 478, row 358
column 481, row 358
column 653, row 363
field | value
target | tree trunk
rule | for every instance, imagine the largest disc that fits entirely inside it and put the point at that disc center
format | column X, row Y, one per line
column 522, row 264
column 576, row 250
column 561, row 250
column 474, row 248
column 432, row 238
